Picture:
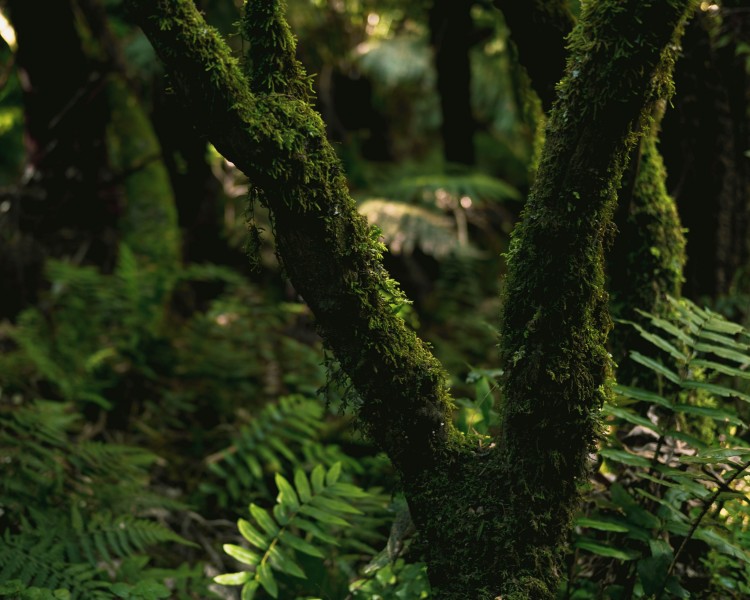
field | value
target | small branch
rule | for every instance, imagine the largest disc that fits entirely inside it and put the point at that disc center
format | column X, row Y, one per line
column 706, row 506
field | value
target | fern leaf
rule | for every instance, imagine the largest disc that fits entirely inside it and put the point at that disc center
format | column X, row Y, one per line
column 300, row 509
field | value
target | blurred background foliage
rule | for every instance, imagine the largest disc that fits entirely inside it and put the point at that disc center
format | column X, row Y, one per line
column 154, row 388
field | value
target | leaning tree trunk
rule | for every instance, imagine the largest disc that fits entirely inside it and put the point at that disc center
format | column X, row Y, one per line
column 492, row 518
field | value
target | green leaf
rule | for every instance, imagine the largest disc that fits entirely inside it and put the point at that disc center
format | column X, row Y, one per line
column 347, row 490
column 603, row 550
column 233, row 578
column 318, row 478
column 725, row 340
column 653, row 573
column 706, row 411
column 264, row 520
column 284, row 563
column 252, row 535
column 300, row 545
column 249, row 589
column 630, row 417
column 334, row 505
column 639, row 394
column 287, row 496
column 668, row 327
column 600, row 525
column 717, row 323
column 316, row 531
column 715, row 539
column 303, row 486
column 717, row 455
column 241, row 554
column 655, row 366
column 322, row 516
column 265, row 576
column 738, row 357
column 622, row 456
column 720, row 368
column 713, row 388
column 281, row 514
column 333, row 474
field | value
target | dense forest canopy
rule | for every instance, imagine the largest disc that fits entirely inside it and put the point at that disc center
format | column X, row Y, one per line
column 372, row 299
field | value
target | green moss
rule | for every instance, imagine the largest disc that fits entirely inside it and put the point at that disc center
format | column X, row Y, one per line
column 492, row 521
column 555, row 319
column 149, row 220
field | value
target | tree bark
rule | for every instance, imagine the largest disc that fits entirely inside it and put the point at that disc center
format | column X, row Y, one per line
column 492, row 518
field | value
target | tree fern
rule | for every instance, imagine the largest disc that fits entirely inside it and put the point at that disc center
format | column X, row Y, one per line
column 306, row 515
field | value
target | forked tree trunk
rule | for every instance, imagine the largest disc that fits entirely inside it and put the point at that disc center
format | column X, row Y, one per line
column 493, row 519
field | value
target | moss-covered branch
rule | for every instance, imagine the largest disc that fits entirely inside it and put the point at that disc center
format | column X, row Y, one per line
column 555, row 319
column 327, row 249
column 492, row 519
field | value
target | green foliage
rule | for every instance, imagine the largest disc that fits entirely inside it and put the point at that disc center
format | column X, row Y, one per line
column 307, row 514
column 70, row 506
column 393, row 582
column 282, row 435
column 669, row 500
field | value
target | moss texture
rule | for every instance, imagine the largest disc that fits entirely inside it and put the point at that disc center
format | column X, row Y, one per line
column 555, row 319
column 492, row 519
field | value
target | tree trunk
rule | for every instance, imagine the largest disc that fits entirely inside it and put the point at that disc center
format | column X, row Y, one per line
column 451, row 29
column 703, row 141
column 538, row 29
column 492, row 518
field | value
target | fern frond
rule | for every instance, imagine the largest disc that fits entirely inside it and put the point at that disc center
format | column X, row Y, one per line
column 406, row 227
column 282, row 434
column 678, row 443
column 435, row 188
column 311, row 509
column 37, row 560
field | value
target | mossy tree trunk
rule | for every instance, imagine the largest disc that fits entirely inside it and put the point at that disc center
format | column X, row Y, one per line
column 647, row 257
column 493, row 518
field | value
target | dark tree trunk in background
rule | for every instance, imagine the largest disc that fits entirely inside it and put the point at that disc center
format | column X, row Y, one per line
column 451, row 30
column 704, row 138
column 538, row 29
column 196, row 189
column 65, row 204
